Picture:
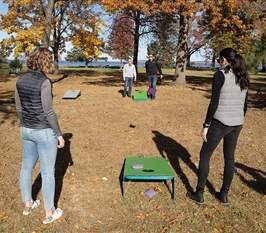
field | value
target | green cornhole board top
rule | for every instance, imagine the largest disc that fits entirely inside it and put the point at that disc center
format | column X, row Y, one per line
column 151, row 167
column 140, row 95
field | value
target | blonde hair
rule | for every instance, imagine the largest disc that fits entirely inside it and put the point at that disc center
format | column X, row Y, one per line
column 40, row 59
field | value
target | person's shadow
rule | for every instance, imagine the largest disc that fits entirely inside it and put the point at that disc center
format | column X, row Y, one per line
column 63, row 160
column 258, row 181
column 173, row 152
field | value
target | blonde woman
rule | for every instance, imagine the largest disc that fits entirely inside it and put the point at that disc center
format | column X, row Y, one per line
column 39, row 131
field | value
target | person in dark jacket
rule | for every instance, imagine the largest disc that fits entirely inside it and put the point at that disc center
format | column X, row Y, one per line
column 39, row 130
column 152, row 69
column 224, row 120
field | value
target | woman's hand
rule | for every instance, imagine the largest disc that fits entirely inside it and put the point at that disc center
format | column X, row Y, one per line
column 203, row 134
column 61, row 142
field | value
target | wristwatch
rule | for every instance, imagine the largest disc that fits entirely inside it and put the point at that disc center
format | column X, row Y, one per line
column 205, row 125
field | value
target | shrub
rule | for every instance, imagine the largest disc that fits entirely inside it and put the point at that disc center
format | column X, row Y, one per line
column 15, row 63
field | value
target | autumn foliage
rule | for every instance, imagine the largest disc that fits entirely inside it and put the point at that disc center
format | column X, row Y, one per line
column 121, row 38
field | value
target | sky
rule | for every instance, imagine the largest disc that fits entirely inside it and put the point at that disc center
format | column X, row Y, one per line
column 142, row 49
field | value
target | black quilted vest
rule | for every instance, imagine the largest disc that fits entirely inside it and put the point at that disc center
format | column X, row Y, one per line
column 29, row 90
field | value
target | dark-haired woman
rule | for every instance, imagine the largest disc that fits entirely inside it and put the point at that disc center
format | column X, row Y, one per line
column 40, row 131
column 224, row 120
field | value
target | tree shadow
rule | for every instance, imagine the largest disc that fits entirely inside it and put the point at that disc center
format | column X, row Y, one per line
column 258, row 180
column 63, row 160
column 174, row 152
column 62, row 78
column 7, row 106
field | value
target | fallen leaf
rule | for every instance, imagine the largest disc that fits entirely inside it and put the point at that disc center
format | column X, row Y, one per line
column 217, row 208
column 245, row 193
column 174, row 220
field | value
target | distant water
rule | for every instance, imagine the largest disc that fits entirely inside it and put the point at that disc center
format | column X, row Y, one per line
column 96, row 64
column 117, row 64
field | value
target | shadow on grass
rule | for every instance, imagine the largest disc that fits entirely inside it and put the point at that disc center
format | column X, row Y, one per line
column 7, row 106
column 174, row 152
column 115, row 80
column 63, row 160
column 196, row 83
column 257, row 181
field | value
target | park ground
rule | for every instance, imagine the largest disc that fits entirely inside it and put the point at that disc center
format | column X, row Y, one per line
column 101, row 129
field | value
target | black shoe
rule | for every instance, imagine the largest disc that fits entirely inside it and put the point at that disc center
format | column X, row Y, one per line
column 223, row 197
column 197, row 197
column 123, row 96
column 129, row 95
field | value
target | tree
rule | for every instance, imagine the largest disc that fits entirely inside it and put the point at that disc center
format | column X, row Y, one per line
column 26, row 20
column 6, row 48
column 149, row 8
column 196, row 39
column 79, row 55
column 48, row 23
column 121, row 38
column 163, row 45
column 234, row 24
column 140, row 12
column 257, row 55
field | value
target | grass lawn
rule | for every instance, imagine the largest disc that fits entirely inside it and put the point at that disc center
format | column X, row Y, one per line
column 101, row 129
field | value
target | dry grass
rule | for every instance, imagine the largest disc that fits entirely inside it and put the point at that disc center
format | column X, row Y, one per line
column 99, row 137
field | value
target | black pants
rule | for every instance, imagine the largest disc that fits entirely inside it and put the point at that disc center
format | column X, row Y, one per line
column 216, row 133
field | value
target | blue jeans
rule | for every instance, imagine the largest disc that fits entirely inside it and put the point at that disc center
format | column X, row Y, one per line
column 216, row 133
column 152, row 78
column 42, row 144
column 128, row 82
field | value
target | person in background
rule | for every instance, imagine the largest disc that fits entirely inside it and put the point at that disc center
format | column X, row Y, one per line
column 152, row 68
column 224, row 120
column 129, row 75
column 39, row 130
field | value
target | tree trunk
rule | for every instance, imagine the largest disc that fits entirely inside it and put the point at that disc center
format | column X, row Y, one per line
column 136, row 39
column 48, row 23
column 181, row 58
column 188, row 59
column 263, row 65
column 213, row 61
column 55, row 48
column 121, row 64
column 56, row 65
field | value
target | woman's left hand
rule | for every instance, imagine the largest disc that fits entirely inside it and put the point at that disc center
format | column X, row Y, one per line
column 203, row 134
column 61, row 142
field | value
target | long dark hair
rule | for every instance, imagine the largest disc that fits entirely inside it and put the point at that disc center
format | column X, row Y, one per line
column 238, row 66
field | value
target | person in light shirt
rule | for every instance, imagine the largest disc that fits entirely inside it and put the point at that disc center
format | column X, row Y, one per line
column 129, row 75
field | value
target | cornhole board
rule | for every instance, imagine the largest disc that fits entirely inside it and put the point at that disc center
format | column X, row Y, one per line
column 147, row 169
column 152, row 91
column 71, row 94
column 140, row 95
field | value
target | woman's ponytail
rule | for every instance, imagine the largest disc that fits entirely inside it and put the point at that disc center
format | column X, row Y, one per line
column 238, row 66
column 240, row 71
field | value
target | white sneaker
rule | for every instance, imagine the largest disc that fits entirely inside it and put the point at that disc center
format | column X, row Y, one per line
column 27, row 209
column 57, row 214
